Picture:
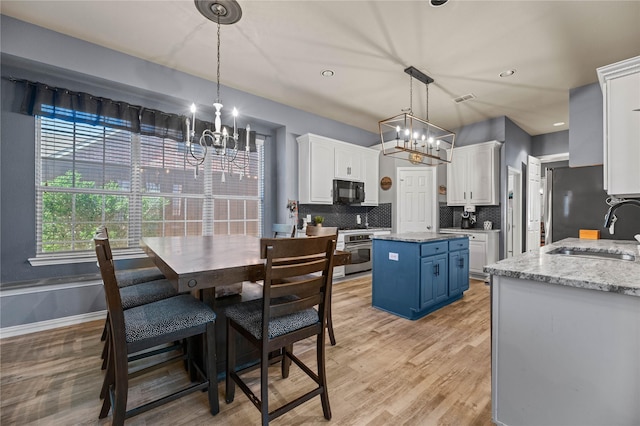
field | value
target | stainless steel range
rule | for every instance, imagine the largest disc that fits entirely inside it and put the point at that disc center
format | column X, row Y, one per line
column 359, row 245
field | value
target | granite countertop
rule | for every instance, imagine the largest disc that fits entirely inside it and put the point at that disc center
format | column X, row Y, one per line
column 362, row 230
column 470, row 230
column 618, row 276
column 417, row 237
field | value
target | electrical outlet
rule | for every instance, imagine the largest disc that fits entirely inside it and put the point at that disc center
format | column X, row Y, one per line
column 358, row 220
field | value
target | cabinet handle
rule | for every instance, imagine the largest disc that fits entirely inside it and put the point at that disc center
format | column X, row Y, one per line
column 465, row 195
column 471, row 194
column 461, row 262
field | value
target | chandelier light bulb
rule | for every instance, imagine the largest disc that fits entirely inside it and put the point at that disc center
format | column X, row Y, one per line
column 193, row 108
column 248, row 132
column 235, row 129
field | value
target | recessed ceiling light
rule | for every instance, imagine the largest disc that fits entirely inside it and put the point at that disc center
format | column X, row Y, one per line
column 436, row 3
column 328, row 73
column 507, row 73
column 559, row 123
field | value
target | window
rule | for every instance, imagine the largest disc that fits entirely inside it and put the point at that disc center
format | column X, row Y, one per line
column 137, row 185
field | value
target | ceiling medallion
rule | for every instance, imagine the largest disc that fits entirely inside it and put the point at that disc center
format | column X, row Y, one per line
column 226, row 12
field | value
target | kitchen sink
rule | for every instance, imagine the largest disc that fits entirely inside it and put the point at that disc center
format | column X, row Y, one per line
column 592, row 254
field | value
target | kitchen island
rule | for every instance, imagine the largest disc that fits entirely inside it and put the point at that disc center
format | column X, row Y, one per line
column 417, row 273
column 566, row 335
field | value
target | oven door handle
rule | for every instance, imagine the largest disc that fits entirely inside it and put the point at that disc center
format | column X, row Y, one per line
column 348, row 246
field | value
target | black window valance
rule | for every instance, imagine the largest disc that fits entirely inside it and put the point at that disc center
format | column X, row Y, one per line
column 55, row 102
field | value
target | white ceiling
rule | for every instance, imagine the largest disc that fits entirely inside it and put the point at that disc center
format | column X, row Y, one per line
column 278, row 49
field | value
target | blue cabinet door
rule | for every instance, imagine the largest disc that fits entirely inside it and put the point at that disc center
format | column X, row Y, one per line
column 458, row 272
column 433, row 280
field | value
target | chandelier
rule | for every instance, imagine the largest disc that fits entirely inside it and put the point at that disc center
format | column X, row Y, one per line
column 223, row 142
column 411, row 138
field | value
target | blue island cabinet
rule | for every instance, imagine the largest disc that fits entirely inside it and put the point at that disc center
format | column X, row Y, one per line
column 412, row 279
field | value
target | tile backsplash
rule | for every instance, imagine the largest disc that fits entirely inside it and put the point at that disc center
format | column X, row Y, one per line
column 450, row 217
column 346, row 216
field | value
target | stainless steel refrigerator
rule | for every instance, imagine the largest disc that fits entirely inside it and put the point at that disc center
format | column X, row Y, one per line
column 575, row 199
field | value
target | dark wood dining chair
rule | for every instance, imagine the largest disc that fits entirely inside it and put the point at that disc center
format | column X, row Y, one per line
column 284, row 315
column 325, row 230
column 130, row 277
column 149, row 326
column 136, row 289
column 284, row 230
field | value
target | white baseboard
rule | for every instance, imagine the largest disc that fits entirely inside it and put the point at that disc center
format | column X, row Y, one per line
column 33, row 327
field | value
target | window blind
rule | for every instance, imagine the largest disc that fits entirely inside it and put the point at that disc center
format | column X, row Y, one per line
column 137, row 185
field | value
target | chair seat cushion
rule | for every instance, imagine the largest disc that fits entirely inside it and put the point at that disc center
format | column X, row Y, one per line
column 141, row 294
column 129, row 277
column 166, row 316
column 249, row 316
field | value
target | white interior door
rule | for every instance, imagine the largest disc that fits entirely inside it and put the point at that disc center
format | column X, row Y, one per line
column 416, row 199
column 533, row 203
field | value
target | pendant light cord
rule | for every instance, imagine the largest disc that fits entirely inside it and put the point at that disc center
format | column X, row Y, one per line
column 427, row 102
column 410, row 95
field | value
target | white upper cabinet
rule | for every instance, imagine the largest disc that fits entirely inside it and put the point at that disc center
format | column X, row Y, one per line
column 620, row 84
column 473, row 175
column 315, row 170
column 347, row 163
column 322, row 159
column 370, row 169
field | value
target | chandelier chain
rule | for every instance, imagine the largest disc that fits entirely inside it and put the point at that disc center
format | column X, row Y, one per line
column 218, row 71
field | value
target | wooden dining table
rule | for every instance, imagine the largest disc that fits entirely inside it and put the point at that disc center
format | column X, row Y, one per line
column 200, row 264
column 206, row 262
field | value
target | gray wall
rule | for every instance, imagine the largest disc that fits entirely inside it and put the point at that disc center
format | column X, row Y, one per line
column 35, row 53
column 516, row 150
column 550, row 143
column 489, row 130
column 586, row 128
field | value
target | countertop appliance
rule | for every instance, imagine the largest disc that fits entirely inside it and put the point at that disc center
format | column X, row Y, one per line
column 360, row 246
column 575, row 199
column 347, row 192
column 468, row 220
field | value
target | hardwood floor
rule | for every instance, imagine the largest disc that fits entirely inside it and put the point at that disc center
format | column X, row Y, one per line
column 384, row 370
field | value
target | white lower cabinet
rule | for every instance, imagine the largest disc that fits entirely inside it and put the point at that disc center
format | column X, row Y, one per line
column 483, row 249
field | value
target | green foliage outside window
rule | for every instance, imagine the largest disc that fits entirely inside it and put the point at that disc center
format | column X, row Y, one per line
column 69, row 219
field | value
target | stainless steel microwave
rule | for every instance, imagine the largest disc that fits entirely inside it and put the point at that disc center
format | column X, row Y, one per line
column 347, row 192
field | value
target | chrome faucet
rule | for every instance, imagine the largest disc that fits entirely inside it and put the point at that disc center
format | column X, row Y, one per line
column 610, row 218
